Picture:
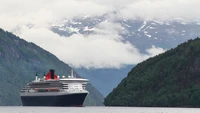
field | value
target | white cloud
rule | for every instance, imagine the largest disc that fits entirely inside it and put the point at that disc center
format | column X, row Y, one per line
column 162, row 10
column 43, row 12
column 103, row 49
column 153, row 51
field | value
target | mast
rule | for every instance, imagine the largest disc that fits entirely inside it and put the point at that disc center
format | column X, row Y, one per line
column 44, row 75
column 36, row 77
column 72, row 73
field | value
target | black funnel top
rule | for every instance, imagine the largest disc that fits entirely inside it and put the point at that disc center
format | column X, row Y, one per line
column 52, row 73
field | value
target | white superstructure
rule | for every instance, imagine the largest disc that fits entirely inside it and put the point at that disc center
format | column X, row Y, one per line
column 55, row 86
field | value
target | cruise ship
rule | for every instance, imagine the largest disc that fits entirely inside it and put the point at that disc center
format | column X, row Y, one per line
column 52, row 90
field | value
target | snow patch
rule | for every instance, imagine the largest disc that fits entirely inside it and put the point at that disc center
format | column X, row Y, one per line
column 62, row 29
column 151, row 28
column 76, row 23
column 159, row 22
column 145, row 32
column 127, row 25
column 87, row 29
column 153, row 23
column 139, row 35
column 71, row 29
column 148, row 35
column 144, row 24
column 167, row 23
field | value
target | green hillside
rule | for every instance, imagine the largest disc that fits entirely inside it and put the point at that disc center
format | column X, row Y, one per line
column 20, row 60
column 169, row 79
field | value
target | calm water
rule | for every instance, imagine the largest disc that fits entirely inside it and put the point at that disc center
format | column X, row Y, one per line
column 96, row 110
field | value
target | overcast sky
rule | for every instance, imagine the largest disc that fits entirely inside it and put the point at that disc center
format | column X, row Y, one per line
column 104, row 49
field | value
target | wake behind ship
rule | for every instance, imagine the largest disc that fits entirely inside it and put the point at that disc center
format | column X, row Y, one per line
column 53, row 90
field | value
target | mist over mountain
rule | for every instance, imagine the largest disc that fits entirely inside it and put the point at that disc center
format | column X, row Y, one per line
column 147, row 36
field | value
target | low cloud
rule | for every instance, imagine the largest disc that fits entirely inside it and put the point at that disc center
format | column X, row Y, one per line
column 44, row 12
column 153, row 51
column 105, row 48
column 162, row 10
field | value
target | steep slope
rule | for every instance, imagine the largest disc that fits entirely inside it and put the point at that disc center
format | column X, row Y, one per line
column 169, row 79
column 20, row 60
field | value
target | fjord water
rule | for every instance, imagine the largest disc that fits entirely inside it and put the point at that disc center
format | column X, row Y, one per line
column 96, row 110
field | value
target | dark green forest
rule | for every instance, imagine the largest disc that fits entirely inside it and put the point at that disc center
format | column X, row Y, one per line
column 19, row 62
column 171, row 79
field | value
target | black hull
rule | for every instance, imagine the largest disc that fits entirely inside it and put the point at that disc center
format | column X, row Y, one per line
column 59, row 100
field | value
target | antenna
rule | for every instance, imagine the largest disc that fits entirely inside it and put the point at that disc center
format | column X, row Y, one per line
column 72, row 73
column 44, row 75
column 36, row 77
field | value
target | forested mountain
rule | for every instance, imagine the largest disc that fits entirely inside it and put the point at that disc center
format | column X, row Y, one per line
column 169, row 79
column 20, row 60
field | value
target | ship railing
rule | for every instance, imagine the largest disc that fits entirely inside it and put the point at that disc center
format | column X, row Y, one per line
column 75, row 90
